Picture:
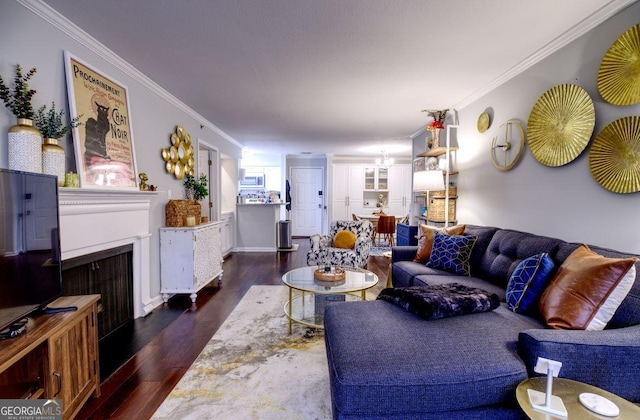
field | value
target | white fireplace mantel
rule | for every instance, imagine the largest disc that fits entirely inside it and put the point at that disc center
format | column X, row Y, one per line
column 93, row 220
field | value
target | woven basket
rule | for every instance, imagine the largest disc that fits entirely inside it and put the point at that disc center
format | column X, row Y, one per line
column 453, row 192
column 176, row 212
column 436, row 209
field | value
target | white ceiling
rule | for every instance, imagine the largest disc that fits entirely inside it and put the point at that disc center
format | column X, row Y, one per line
column 346, row 77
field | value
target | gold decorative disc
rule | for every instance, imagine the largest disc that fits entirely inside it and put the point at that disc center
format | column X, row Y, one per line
column 483, row 122
column 614, row 157
column 619, row 74
column 560, row 125
column 179, row 157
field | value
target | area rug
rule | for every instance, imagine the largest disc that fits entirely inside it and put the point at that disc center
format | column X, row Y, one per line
column 378, row 251
column 253, row 369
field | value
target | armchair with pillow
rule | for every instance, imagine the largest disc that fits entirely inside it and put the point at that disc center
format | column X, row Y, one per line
column 347, row 244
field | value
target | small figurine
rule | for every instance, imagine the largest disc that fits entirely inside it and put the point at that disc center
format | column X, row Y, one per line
column 143, row 181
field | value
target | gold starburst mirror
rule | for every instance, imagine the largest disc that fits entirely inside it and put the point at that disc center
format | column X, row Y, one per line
column 560, row 125
column 179, row 157
column 619, row 74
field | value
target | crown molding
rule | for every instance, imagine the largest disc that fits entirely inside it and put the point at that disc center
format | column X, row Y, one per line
column 47, row 13
column 609, row 9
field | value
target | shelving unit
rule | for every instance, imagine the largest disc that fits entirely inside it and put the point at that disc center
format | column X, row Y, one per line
column 446, row 203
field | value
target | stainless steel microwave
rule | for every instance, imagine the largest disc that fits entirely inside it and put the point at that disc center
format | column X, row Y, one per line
column 252, row 181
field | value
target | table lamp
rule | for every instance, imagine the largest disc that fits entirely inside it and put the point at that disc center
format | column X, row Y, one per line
column 428, row 181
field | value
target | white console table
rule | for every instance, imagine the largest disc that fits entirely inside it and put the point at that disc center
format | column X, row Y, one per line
column 190, row 257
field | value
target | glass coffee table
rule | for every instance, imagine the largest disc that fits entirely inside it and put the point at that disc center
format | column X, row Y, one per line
column 307, row 308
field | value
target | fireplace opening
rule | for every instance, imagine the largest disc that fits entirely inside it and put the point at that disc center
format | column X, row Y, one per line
column 108, row 273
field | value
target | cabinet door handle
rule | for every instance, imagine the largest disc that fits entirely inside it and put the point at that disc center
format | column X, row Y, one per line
column 59, row 382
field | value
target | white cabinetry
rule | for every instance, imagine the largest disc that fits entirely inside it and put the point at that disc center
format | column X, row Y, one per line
column 348, row 187
column 190, row 257
column 228, row 232
column 400, row 194
column 376, row 178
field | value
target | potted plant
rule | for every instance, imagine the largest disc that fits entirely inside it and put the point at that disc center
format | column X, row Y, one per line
column 196, row 189
column 50, row 123
column 51, row 126
column 23, row 140
column 19, row 101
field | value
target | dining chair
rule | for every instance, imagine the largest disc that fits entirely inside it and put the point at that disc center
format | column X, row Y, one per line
column 386, row 229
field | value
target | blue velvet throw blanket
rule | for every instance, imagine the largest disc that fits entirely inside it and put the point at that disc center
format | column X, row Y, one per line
column 441, row 301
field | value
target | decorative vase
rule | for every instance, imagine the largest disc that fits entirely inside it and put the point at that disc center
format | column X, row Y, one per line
column 435, row 138
column 53, row 159
column 25, row 143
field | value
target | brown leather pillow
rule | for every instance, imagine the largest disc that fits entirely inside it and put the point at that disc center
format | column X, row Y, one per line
column 586, row 290
column 425, row 243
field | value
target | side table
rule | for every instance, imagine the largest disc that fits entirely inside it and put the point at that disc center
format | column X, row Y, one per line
column 569, row 391
column 406, row 234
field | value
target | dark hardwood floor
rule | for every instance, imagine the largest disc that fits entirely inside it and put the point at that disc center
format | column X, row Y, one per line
column 136, row 390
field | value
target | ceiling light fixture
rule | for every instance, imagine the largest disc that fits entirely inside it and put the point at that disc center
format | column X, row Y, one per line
column 385, row 161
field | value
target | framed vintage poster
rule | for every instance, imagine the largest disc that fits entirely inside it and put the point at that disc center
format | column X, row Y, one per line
column 105, row 154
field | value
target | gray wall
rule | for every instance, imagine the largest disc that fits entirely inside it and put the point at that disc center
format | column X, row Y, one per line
column 31, row 41
column 564, row 202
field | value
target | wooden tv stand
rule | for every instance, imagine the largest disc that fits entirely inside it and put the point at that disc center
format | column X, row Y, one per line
column 56, row 358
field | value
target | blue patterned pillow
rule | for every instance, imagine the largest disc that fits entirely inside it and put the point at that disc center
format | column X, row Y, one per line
column 528, row 281
column 452, row 253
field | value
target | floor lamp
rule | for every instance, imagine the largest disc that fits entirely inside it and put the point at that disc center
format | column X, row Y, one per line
column 428, row 181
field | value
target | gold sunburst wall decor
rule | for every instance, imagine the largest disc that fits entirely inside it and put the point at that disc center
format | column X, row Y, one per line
column 560, row 125
column 179, row 157
column 614, row 157
column 619, row 74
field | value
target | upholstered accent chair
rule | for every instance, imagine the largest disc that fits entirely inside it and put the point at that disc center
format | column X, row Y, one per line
column 323, row 252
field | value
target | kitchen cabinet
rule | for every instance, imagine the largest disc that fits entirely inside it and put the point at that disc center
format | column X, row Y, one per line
column 400, row 193
column 228, row 231
column 376, row 178
column 347, row 191
column 190, row 258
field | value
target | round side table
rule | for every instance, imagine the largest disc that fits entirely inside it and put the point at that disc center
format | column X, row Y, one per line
column 569, row 390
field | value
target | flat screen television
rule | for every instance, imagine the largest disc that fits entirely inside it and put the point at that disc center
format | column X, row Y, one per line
column 30, row 269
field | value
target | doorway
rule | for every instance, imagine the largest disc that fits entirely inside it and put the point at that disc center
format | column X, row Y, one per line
column 209, row 164
column 307, row 200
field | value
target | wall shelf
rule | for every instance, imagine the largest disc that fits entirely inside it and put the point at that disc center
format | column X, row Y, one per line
column 438, row 151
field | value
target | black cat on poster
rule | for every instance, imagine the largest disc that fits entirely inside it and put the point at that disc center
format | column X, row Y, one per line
column 95, row 140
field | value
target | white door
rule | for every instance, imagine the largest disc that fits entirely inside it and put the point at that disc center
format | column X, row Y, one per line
column 307, row 201
column 209, row 164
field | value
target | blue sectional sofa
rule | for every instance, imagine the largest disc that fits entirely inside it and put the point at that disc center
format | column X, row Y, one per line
column 386, row 363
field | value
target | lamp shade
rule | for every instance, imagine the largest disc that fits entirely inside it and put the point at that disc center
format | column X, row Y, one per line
column 428, row 181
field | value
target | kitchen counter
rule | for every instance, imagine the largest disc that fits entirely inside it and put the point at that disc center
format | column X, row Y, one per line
column 257, row 226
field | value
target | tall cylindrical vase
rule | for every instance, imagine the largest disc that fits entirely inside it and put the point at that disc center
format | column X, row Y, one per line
column 25, row 142
column 435, row 138
column 53, row 159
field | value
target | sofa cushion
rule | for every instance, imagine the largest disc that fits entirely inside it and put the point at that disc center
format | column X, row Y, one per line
column 404, row 273
column 427, row 235
column 344, row 239
column 420, row 366
column 452, row 253
column 528, row 282
column 587, row 290
column 507, row 249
